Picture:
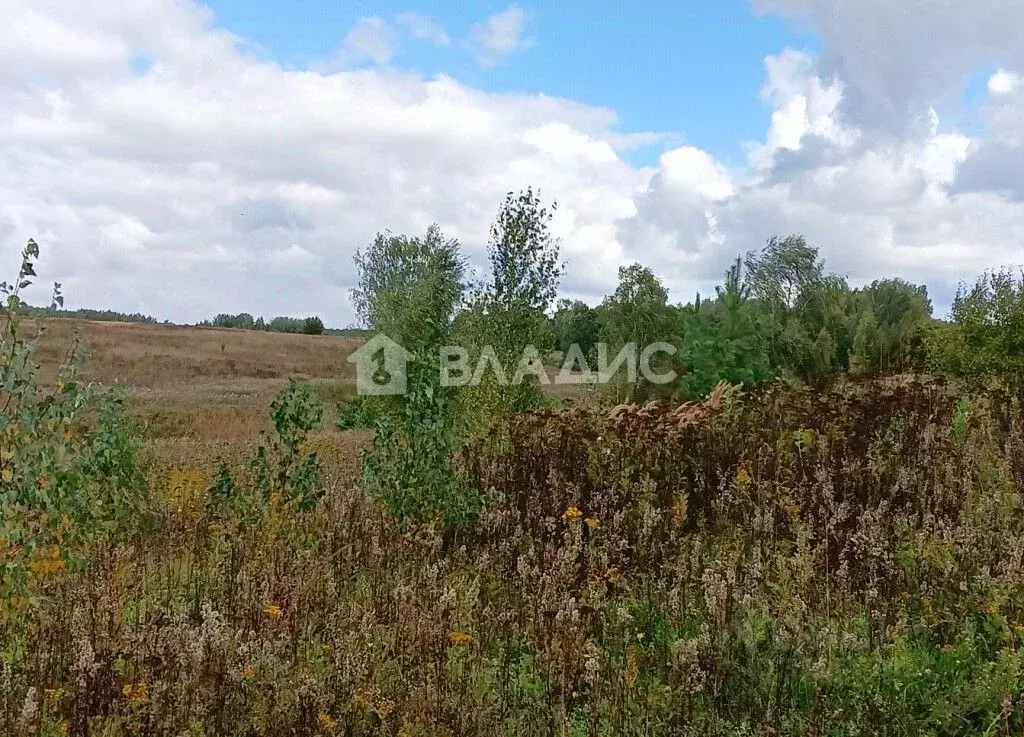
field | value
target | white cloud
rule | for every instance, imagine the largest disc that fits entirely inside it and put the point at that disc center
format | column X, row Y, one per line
column 500, row 36
column 188, row 188
column 423, row 28
column 209, row 180
column 875, row 206
column 370, row 38
column 1003, row 82
column 899, row 58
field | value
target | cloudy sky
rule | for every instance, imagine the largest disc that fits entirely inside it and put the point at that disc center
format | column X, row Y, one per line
column 183, row 159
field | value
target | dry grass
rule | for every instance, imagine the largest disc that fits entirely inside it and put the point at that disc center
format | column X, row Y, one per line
column 204, row 392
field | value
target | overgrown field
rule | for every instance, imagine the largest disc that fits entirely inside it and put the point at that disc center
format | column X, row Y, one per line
column 204, row 552
column 204, row 392
column 846, row 562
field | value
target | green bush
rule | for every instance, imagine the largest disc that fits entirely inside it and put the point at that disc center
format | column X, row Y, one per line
column 285, row 467
column 409, row 468
column 69, row 468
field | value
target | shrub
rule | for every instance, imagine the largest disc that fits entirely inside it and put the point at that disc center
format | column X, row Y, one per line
column 409, row 468
column 69, row 470
column 285, row 467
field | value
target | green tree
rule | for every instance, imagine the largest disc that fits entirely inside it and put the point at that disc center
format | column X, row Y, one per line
column 313, row 326
column 638, row 312
column 985, row 335
column 409, row 288
column 508, row 312
column 725, row 339
column 783, row 270
column 524, row 255
column 576, row 323
column 283, row 324
column 810, row 333
column 893, row 318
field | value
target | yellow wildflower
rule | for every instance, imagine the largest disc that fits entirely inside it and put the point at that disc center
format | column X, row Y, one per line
column 612, row 574
column 461, row 638
column 136, row 692
column 49, row 562
column 592, row 522
column 272, row 610
column 326, row 721
column 53, row 694
column 248, row 672
column 385, row 708
column 572, row 513
column 742, row 478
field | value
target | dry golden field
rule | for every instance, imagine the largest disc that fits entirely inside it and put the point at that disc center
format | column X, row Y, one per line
column 206, row 392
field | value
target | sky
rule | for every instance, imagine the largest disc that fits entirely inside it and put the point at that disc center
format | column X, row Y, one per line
column 183, row 159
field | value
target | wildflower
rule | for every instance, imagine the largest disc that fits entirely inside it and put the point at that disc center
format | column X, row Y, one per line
column 62, row 726
column 248, row 672
column 679, row 510
column 592, row 522
column 385, row 708
column 326, row 721
column 461, row 638
column 612, row 574
column 272, row 610
column 742, row 478
column 136, row 692
column 572, row 513
column 49, row 562
column 53, row 694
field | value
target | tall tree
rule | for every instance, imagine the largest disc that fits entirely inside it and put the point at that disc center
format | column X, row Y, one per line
column 576, row 323
column 783, row 270
column 893, row 319
column 725, row 339
column 807, row 307
column 508, row 314
column 409, row 287
column 637, row 312
column 524, row 255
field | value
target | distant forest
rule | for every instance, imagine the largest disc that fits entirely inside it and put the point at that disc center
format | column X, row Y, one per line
column 242, row 321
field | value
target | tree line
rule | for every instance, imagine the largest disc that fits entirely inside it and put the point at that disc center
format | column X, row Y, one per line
column 779, row 314
column 244, row 321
